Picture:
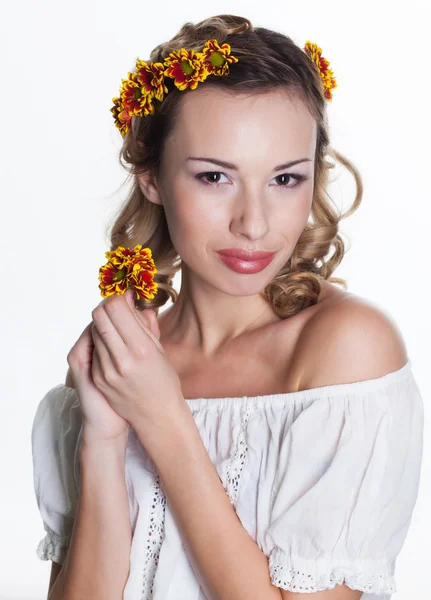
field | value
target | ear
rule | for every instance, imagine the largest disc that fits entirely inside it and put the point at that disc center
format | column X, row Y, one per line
column 148, row 184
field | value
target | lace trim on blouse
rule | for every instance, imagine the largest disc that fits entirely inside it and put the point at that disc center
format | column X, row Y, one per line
column 235, row 466
column 53, row 546
column 372, row 576
column 155, row 537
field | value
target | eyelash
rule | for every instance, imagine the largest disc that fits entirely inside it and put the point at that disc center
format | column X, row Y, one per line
column 297, row 176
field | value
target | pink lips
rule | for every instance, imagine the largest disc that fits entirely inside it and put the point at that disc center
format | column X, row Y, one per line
column 244, row 254
column 245, row 262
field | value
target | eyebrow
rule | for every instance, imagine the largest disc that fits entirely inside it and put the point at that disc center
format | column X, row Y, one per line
column 227, row 165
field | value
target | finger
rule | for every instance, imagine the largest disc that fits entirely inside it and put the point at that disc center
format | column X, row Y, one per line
column 154, row 324
column 105, row 360
column 146, row 315
column 142, row 316
column 147, row 319
column 153, row 329
column 108, row 332
column 95, row 366
column 120, row 317
column 80, row 354
column 130, row 298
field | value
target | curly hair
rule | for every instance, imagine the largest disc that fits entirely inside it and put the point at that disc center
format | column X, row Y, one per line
column 268, row 60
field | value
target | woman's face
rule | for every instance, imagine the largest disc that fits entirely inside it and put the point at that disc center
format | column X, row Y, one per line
column 250, row 203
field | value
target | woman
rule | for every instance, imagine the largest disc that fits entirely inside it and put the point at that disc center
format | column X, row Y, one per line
column 261, row 438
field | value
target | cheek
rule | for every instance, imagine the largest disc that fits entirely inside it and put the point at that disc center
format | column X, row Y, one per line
column 190, row 226
column 198, row 213
column 291, row 221
column 302, row 204
column 296, row 206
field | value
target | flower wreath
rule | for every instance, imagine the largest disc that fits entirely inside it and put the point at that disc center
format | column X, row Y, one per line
column 188, row 68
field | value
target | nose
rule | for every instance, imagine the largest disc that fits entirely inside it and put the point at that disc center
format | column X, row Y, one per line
column 250, row 216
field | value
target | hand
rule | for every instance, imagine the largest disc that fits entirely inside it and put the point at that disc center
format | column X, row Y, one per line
column 100, row 421
column 133, row 372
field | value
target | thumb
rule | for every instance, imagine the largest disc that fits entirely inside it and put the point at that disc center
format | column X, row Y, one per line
column 149, row 319
column 130, row 298
column 154, row 324
column 147, row 316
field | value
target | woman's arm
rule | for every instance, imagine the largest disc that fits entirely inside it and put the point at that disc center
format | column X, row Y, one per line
column 97, row 561
column 226, row 560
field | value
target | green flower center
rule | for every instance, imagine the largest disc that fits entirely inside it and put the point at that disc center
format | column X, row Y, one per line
column 120, row 274
column 217, row 59
column 137, row 93
column 187, row 67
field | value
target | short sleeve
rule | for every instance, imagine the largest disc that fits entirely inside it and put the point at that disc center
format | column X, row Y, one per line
column 346, row 485
column 56, row 436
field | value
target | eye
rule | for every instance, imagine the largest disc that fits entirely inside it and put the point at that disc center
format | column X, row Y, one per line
column 298, row 177
column 212, row 175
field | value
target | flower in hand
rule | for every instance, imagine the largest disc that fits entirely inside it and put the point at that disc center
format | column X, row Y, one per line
column 130, row 367
column 127, row 268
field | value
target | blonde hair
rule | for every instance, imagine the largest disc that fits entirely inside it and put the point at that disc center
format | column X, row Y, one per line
column 268, row 60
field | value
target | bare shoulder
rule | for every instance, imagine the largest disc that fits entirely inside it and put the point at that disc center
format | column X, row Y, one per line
column 349, row 339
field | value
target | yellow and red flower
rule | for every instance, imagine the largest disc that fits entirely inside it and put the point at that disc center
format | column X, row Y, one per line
column 217, row 58
column 315, row 53
column 151, row 77
column 121, row 116
column 136, row 99
column 186, row 68
column 127, row 268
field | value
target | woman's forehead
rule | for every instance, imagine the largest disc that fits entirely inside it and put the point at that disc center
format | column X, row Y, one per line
column 211, row 121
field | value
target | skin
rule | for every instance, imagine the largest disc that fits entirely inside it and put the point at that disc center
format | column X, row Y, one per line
column 249, row 209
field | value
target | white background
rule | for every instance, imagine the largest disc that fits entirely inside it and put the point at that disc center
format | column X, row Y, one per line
column 62, row 64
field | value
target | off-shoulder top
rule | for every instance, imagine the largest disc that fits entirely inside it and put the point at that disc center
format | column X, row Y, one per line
column 324, row 480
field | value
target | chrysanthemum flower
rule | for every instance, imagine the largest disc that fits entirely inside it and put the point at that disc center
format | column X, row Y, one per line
column 217, row 58
column 315, row 53
column 127, row 268
column 151, row 77
column 136, row 99
column 121, row 116
column 137, row 93
column 186, row 68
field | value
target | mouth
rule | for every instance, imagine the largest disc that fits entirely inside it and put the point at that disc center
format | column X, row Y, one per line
column 246, row 266
column 245, row 254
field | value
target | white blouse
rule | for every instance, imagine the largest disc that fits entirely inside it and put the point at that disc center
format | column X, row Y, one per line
column 324, row 480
